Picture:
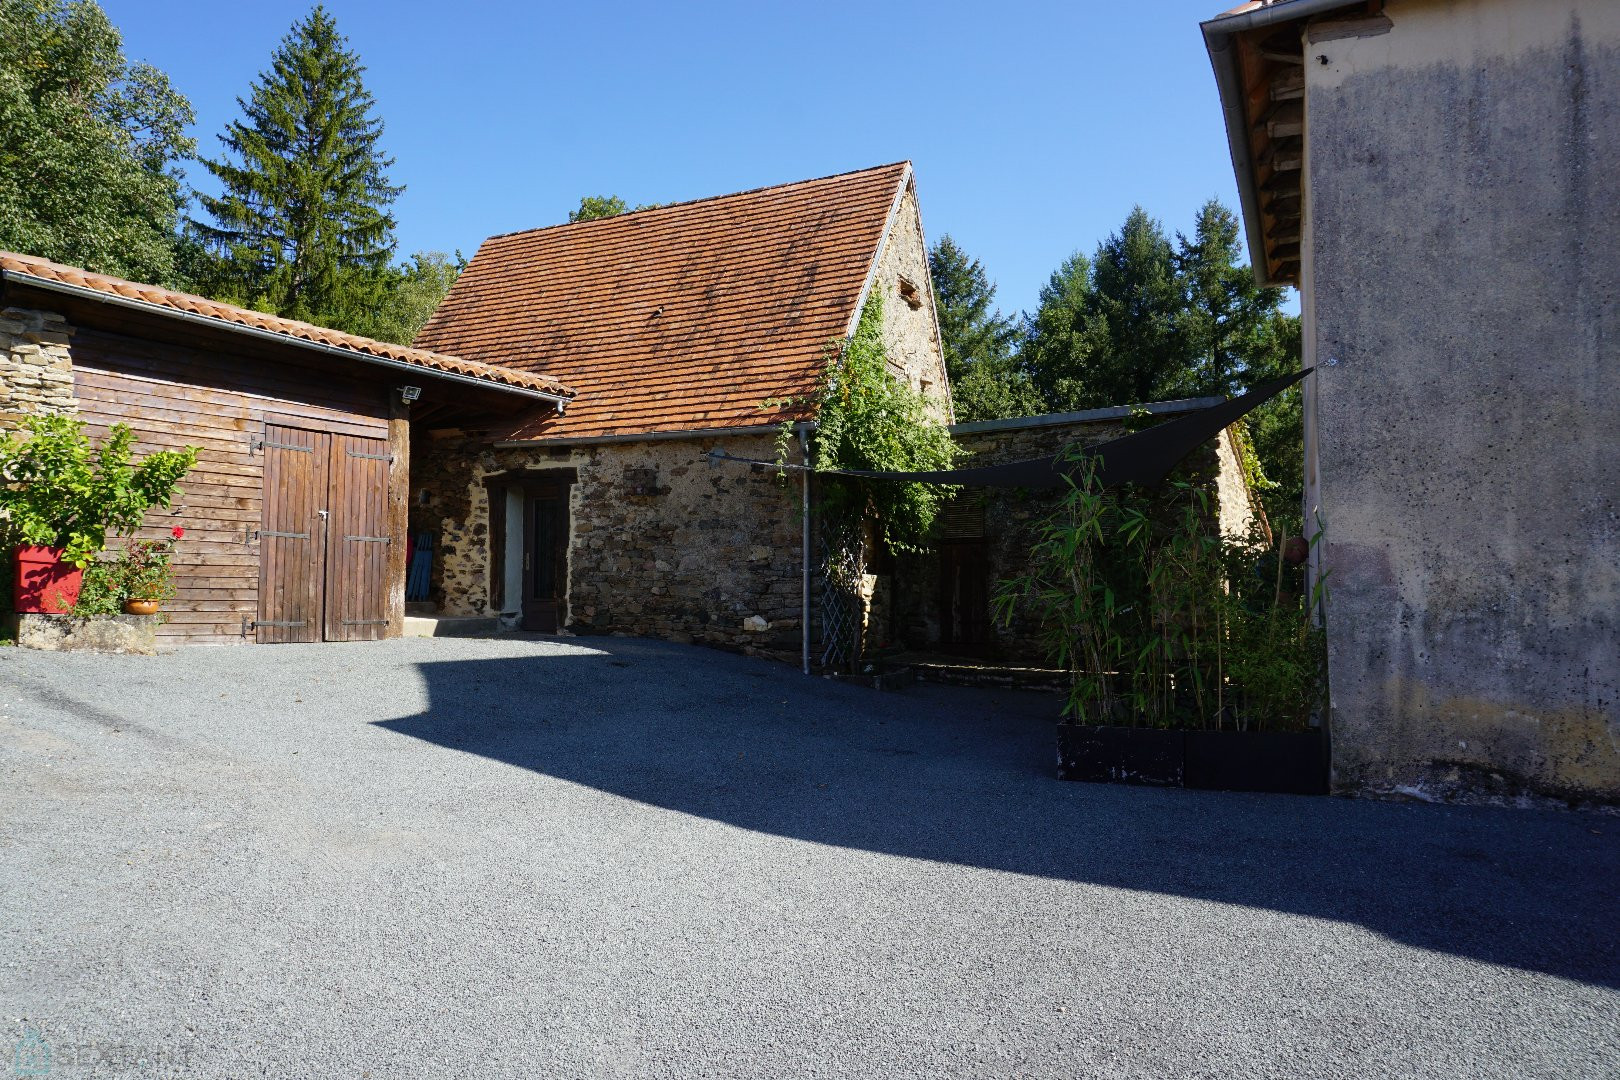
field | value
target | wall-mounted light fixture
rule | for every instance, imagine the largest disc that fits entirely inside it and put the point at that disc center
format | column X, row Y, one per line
column 408, row 394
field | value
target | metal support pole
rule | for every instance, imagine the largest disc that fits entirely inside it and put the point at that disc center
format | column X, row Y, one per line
column 804, row 547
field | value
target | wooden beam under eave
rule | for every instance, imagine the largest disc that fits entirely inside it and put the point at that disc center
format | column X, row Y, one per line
column 1285, row 252
column 1284, row 205
column 399, row 502
column 1288, row 84
column 1285, row 159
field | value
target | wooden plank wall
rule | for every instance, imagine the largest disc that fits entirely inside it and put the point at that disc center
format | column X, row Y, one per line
column 173, row 396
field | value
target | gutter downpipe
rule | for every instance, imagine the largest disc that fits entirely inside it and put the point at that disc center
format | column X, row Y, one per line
column 804, row 549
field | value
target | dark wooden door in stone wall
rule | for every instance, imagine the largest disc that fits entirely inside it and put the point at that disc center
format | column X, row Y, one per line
column 323, row 549
column 545, row 557
column 964, row 575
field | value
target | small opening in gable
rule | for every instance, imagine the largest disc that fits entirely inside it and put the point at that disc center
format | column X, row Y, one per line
column 909, row 293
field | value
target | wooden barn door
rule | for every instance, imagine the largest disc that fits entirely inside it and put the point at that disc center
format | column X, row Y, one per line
column 292, row 539
column 324, row 544
column 357, row 540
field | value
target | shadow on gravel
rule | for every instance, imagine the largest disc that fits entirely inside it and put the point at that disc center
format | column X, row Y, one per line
column 963, row 776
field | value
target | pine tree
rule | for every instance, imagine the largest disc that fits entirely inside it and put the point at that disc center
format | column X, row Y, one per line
column 303, row 218
column 89, row 145
column 986, row 382
column 1136, row 353
column 1228, row 323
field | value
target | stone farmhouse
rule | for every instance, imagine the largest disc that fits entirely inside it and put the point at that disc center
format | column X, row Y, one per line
column 682, row 330
column 550, row 433
column 1438, row 178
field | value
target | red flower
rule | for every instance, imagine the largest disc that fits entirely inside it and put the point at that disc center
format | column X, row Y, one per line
column 178, row 532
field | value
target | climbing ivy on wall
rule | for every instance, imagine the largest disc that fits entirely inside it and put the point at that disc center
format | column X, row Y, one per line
column 868, row 419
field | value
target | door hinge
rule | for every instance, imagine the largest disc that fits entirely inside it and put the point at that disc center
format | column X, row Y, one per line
column 266, row 444
column 275, row 622
column 283, row 535
column 372, row 457
column 365, row 622
column 372, row 539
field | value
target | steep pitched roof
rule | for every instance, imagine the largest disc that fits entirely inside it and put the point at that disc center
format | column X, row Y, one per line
column 47, row 273
column 685, row 317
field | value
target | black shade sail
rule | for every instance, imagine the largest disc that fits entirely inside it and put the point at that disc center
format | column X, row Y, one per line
column 1144, row 457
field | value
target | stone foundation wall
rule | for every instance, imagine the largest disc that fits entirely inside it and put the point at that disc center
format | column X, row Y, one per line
column 36, row 368
column 663, row 543
column 129, row 634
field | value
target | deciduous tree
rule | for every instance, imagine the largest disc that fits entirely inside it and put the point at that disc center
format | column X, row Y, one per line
column 90, row 145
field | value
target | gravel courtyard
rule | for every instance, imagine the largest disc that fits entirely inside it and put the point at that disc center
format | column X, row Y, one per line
column 613, row 857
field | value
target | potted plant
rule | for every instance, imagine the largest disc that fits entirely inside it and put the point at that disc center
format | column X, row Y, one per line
column 143, row 575
column 60, row 496
column 1191, row 657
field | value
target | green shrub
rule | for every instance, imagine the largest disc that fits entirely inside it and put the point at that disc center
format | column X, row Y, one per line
column 1159, row 620
column 58, row 490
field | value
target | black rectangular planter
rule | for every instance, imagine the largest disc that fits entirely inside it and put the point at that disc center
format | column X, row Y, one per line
column 1120, row 755
column 1288, row 762
column 1292, row 762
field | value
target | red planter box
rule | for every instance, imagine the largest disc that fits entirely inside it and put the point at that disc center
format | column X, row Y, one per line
column 45, row 585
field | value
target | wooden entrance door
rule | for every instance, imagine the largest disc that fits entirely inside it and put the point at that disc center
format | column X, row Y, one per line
column 545, row 557
column 964, row 596
column 323, row 554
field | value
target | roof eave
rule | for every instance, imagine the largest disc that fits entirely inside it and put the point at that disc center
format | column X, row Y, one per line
column 1220, row 41
column 97, row 296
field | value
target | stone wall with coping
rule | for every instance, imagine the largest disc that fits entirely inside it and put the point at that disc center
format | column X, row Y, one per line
column 663, row 543
column 36, row 365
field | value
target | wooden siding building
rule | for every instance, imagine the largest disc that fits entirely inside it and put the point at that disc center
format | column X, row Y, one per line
column 295, row 514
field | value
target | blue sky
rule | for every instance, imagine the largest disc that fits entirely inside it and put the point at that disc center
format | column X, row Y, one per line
column 1035, row 127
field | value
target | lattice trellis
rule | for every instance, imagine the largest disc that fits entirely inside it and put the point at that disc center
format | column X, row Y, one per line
column 841, row 569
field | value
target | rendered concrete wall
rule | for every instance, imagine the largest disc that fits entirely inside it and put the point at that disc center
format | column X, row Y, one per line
column 1462, row 277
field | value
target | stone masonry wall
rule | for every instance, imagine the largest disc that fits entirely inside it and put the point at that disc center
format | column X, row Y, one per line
column 663, row 543
column 36, row 367
column 910, row 329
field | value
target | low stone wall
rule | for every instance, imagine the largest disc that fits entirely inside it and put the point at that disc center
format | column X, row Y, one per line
column 36, row 368
column 663, row 543
column 135, row 634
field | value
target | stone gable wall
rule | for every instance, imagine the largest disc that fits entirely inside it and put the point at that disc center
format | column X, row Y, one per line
column 910, row 329
column 36, row 367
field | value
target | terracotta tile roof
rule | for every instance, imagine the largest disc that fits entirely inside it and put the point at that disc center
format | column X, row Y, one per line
column 45, row 270
column 685, row 317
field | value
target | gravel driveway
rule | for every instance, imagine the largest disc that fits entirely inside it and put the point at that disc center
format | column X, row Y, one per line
column 612, row 857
